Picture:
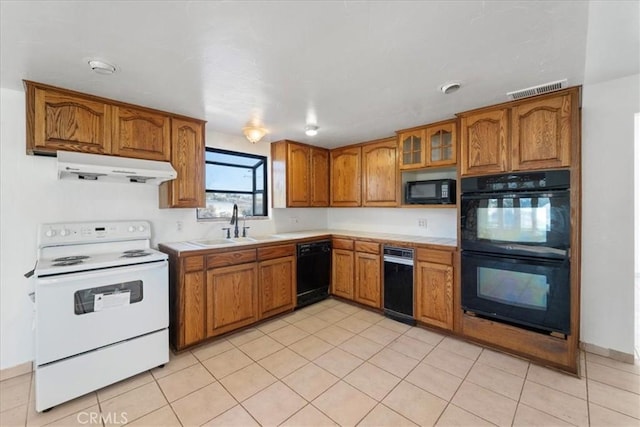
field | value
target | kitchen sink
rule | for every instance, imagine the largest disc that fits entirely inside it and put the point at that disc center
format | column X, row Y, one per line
column 212, row 242
column 233, row 240
column 241, row 239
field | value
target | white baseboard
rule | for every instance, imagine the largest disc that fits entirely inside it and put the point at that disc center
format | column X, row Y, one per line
column 607, row 352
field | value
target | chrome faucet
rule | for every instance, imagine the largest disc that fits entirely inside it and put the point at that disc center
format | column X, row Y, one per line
column 234, row 221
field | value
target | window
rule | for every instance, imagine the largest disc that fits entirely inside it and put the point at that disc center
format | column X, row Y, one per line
column 232, row 177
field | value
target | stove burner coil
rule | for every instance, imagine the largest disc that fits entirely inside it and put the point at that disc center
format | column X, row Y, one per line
column 71, row 258
column 135, row 253
column 68, row 262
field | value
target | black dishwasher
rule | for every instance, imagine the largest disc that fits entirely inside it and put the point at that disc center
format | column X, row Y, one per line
column 314, row 272
column 398, row 284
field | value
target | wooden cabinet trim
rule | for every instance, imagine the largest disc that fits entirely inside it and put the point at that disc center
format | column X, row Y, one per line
column 435, row 256
column 367, row 247
column 224, row 259
column 193, row 263
column 342, row 244
column 270, row 252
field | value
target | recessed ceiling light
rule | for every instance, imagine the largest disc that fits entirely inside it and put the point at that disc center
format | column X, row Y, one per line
column 450, row 87
column 311, row 130
column 101, row 67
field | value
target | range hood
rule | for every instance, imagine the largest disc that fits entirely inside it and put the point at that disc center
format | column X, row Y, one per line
column 96, row 167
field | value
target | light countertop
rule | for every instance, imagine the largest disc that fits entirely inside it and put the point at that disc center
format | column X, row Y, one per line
column 203, row 244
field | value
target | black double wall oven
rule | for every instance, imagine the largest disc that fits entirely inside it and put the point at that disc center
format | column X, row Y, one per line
column 515, row 241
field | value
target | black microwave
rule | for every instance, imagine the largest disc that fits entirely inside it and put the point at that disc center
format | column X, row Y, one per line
column 431, row 192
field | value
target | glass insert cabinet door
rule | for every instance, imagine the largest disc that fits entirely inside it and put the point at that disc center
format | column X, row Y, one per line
column 442, row 145
column 428, row 146
column 411, row 146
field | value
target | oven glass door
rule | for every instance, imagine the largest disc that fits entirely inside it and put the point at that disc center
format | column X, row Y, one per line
column 83, row 311
column 528, row 223
column 531, row 292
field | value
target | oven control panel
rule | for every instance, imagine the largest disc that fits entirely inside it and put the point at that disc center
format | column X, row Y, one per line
column 92, row 232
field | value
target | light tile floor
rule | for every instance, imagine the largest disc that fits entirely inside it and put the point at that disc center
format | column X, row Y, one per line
column 337, row 364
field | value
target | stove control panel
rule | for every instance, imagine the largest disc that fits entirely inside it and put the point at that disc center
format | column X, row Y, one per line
column 92, row 232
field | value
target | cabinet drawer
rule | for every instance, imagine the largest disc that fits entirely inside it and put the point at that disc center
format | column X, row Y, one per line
column 230, row 258
column 193, row 263
column 435, row 256
column 280, row 251
column 342, row 244
column 368, row 247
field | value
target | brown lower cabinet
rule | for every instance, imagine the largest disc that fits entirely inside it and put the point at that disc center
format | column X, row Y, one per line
column 232, row 297
column 220, row 291
column 277, row 278
column 434, row 288
column 356, row 271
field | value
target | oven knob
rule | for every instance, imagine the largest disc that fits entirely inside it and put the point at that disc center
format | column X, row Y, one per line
column 64, row 232
column 50, row 233
column 131, row 229
column 141, row 228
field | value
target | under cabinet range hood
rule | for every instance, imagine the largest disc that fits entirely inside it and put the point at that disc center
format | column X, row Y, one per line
column 96, row 167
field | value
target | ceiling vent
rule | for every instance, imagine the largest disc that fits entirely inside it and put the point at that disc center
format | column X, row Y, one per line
column 537, row 90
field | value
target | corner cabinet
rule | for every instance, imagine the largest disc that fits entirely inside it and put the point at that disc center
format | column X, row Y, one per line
column 536, row 133
column 220, row 290
column 380, row 178
column 300, row 175
column 434, row 288
column 427, row 146
column 187, row 158
column 346, row 177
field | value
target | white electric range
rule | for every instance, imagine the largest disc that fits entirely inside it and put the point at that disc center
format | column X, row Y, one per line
column 101, row 307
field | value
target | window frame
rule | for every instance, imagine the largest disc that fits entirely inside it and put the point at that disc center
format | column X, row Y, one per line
column 261, row 161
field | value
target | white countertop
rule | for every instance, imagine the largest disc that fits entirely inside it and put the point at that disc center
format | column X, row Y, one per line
column 193, row 245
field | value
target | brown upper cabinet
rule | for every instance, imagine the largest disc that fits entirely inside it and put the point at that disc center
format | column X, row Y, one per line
column 530, row 134
column 187, row 157
column 380, row 178
column 58, row 120
column 427, row 146
column 346, row 179
column 300, row 175
column 141, row 134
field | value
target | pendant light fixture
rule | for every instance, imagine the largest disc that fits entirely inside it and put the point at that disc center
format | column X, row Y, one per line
column 254, row 133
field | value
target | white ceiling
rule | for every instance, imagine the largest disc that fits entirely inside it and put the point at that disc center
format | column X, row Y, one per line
column 360, row 69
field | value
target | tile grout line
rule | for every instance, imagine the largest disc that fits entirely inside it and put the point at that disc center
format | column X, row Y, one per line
column 513, row 419
column 162, row 391
column 586, row 384
column 450, row 401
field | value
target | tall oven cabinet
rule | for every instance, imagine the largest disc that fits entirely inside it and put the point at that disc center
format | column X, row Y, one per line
column 520, row 185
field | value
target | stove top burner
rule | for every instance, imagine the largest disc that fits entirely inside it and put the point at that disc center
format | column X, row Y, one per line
column 68, row 262
column 78, row 258
column 135, row 253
